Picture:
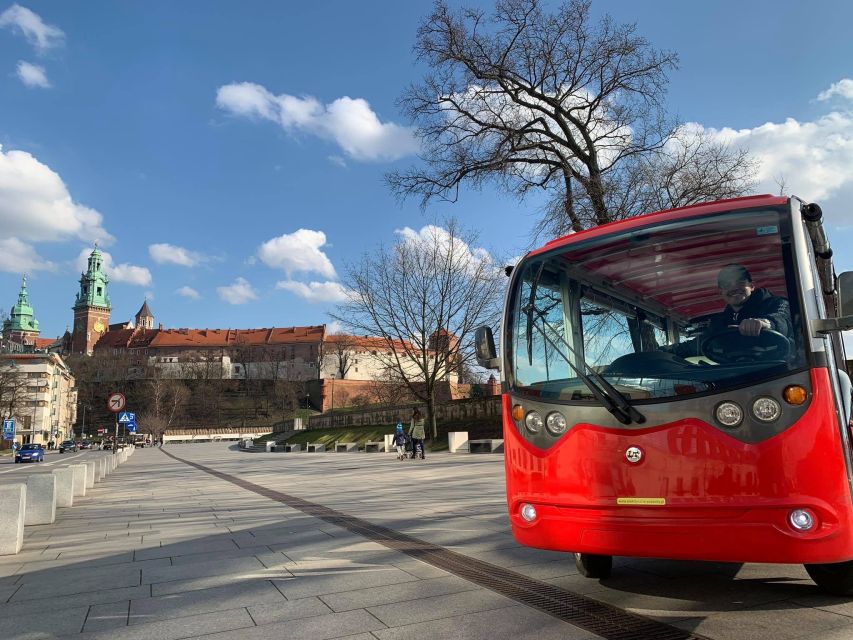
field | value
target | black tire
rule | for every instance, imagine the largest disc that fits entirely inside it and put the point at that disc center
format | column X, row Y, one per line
column 835, row 579
column 593, row 566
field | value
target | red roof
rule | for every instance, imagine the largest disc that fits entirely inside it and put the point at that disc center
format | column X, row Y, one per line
column 237, row 337
column 368, row 343
column 44, row 343
column 126, row 339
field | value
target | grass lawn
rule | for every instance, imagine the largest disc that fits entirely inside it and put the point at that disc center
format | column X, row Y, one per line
column 483, row 428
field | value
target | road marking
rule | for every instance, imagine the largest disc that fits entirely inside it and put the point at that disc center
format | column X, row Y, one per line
column 44, row 464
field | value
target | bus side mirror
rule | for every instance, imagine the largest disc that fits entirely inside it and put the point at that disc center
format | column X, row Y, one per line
column 484, row 345
column 845, row 307
column 845, row 293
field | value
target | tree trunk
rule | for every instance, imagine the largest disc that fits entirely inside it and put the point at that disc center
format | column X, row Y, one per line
column 431, row 414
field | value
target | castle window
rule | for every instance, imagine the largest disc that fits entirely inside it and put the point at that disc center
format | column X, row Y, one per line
column 99, row 290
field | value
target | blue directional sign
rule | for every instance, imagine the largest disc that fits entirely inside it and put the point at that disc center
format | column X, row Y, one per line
column 126, row 417
column 131, row 427
column 8, row 429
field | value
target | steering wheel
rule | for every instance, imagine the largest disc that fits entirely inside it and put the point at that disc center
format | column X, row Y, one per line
column 730, row 346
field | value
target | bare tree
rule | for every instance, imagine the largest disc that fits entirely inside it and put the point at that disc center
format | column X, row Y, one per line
column 424, row 297
column 552, row 101
column 341, row 348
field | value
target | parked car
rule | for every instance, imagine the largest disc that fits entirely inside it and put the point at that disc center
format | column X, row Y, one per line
column 67, row 445
column 85, row 444
column 30, row 453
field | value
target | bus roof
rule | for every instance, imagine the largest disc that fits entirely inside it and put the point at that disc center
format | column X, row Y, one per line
column 732, row 204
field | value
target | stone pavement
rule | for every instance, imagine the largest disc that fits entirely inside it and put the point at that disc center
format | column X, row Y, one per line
column 162, row 550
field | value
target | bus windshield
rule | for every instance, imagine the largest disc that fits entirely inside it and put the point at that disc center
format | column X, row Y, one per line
column 681, row 308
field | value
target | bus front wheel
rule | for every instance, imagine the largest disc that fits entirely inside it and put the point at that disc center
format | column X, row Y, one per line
column 835, row 579
column 593, row 566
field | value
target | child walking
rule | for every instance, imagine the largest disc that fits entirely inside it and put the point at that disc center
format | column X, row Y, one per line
column 400, row 441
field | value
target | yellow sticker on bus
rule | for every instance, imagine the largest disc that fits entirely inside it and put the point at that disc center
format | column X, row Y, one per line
column 652, row 502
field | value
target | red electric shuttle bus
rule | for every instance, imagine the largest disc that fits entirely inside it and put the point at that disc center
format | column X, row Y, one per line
column 643, row 417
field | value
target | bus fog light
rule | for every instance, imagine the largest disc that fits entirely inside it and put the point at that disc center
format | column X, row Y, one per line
column 533, row 422
column 766, row 409
column 528, row 512
column 556, row 423
column 729, row 414
column 802, row 519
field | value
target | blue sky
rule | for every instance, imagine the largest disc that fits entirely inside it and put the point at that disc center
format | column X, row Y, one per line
column 231, row 155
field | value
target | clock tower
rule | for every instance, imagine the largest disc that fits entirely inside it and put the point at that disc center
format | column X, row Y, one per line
column 91, row 306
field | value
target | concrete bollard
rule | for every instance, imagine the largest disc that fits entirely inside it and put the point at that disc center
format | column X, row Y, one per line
column 457, row 442
column 41, row 499
column 64, row 486
column 90, row 473
column 13, row 505
column 100, row 469
column 113, row 463
column 79, row 479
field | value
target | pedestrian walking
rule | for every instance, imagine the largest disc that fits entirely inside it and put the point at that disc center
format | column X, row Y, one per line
column 416, row 431
column 400, row 439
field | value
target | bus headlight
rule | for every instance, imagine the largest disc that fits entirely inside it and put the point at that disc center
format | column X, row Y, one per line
column 729, row 414
column 556, row 423
column 766, row 409
column 802, row 519
column 528, row 512
column 533, row 422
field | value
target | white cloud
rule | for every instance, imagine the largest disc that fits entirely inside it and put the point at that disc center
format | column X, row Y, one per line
column 42, row 36
column 316, row 291
column 20, row 257
column 163, row 253
column 812, row 157
column 188, row 292
column 35, row 204
column 843, row 88
column 128, row 273
column 432, row 235
column 349, row 122
column 32, row 75
column 297, row 251
column 240, row 292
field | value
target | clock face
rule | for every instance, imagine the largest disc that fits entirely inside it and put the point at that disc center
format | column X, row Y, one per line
column 99, row 327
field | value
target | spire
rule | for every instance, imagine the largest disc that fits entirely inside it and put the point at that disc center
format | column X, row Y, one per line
column 93, row 284
column 144, row 317
column 22, row 316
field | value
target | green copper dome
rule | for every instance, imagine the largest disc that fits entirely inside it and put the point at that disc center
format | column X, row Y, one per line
column 22, row 316
column 93, row 284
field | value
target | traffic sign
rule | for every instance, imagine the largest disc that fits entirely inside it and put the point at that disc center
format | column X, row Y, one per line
column 131, row 428
column 124, row 417
column 8, row 429
column 116, row 402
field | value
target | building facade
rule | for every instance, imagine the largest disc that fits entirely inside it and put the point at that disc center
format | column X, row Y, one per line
column 38, row 391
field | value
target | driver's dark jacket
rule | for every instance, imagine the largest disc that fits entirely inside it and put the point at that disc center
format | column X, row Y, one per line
column 761, row 304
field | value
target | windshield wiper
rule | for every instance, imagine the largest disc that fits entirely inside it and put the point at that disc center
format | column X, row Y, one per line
column 610, row 397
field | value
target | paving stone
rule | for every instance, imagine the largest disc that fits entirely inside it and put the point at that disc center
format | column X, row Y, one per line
column 516, row 623
column 779, row 622
column 177, row 628
column 432, row 608
column 107, row 616
column 80, row 584
column 203, row 601
column 305, row 584
column 332, row 625
column 48, row 623
column 226, row 566
column 35, row 605
column 288, row 610
column 404, row 592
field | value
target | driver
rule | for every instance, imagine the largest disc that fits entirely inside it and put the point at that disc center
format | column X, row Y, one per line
column 751, row 310
column 748, row 309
